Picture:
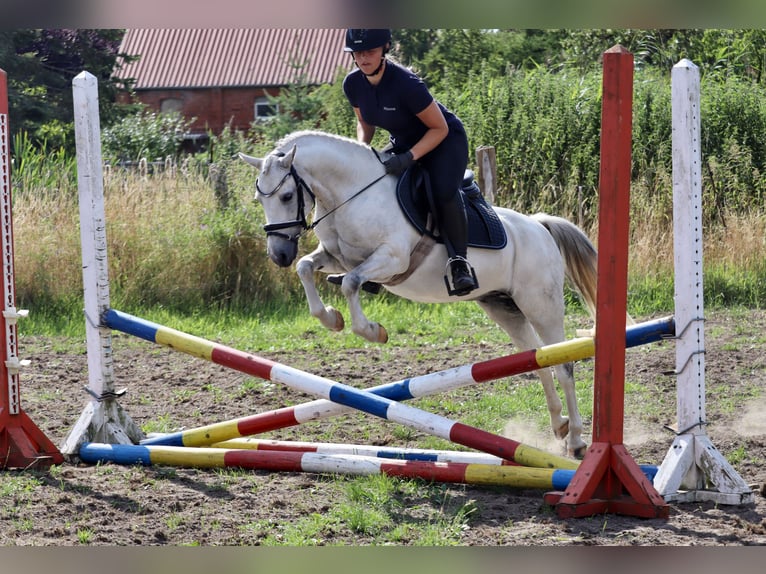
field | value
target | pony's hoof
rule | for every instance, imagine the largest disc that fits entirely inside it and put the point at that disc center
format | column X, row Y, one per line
column 578, row 453
column 562, row 431
column 338, row 323
column 382, row 334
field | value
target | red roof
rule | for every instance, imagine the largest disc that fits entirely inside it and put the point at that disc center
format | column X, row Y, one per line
column 205, row 58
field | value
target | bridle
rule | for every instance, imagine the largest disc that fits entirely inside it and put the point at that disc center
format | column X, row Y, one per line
column 300, row 218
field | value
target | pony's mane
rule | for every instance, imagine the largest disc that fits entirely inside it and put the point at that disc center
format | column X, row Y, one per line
column 290, row 139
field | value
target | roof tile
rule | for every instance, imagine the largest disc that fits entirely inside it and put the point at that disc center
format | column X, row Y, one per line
column 228, row 57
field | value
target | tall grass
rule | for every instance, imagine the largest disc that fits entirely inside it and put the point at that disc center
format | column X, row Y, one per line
column 41, row 169
column 546, row 130
column 170, row 245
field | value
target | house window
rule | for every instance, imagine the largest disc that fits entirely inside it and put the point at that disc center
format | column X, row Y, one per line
column 171, row 105
column 265, row 108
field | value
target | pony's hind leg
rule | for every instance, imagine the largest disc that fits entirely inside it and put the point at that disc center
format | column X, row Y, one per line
column 548, row 323
column 576, row 445
column 503, row 311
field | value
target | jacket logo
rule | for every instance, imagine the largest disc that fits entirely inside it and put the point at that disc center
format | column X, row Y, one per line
column 388, row 109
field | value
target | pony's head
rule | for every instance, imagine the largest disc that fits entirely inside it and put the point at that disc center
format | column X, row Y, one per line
column 282, row 193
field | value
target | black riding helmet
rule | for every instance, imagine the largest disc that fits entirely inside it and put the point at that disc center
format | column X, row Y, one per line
column 360, row 39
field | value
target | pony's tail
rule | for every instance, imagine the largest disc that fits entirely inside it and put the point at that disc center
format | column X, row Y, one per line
column 580, row 259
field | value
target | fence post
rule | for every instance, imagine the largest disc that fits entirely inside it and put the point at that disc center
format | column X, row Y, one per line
column 486, row 159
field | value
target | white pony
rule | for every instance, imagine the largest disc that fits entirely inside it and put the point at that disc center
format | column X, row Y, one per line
column 364, row 235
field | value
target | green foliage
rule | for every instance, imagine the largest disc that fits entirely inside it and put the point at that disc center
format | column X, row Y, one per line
column 734, row 150
column 545, row 129
column 41, row 64
column 242, row 275
column 145, row 135
column 733, row 52
column 455, row 54
column 727, row 287
column 42, row 168
column 337, row 115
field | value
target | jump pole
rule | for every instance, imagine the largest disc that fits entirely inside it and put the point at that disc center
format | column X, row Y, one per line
column 414, row 387
column 346, row 395
column 403, row 453
column 608, row 479
column 296, row 461
column 103, row 419
column 693, row 469
column 22, row 443
column 432, row 455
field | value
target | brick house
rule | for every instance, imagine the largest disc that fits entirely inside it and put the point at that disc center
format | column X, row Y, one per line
column 222, row 76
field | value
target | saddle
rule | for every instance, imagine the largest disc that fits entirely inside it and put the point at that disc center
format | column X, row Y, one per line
column 485, row 230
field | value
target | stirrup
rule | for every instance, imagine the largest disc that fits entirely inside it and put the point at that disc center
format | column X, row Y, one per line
column 369, row 286
column 458, row 291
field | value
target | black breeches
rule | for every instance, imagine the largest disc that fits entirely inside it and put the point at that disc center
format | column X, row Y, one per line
column 446, row 166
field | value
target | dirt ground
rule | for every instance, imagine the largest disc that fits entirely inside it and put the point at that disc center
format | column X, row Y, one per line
column 106, row 505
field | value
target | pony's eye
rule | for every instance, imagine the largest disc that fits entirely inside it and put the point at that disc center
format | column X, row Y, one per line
column 287, row 197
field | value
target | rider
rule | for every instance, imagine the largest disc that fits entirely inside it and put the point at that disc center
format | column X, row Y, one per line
column 387, row 95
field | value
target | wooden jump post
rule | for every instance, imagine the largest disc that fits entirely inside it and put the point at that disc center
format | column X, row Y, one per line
column 486, row 160
column 22, row 443
column 103, row 419
column 609, row 480
column 693, row 469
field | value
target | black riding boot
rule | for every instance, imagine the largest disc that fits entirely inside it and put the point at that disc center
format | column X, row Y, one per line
column 453, row 224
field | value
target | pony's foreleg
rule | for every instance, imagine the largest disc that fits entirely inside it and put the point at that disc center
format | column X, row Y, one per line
column 360, row 324
column 383, row 263
column 330, row 317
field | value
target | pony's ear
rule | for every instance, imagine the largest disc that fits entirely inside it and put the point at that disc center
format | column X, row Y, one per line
column 287, row 160
column 256, row 162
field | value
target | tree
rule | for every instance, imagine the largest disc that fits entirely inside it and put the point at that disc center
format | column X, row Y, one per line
column 41, row 64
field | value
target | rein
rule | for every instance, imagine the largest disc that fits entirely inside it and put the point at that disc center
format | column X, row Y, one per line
column 300, row 219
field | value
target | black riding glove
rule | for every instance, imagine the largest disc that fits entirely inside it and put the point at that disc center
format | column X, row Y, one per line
column 396, row 164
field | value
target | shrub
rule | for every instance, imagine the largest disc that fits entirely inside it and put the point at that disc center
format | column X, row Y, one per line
column 145, row 135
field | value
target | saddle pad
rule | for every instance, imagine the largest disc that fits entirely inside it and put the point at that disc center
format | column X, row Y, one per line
column 485, row 230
